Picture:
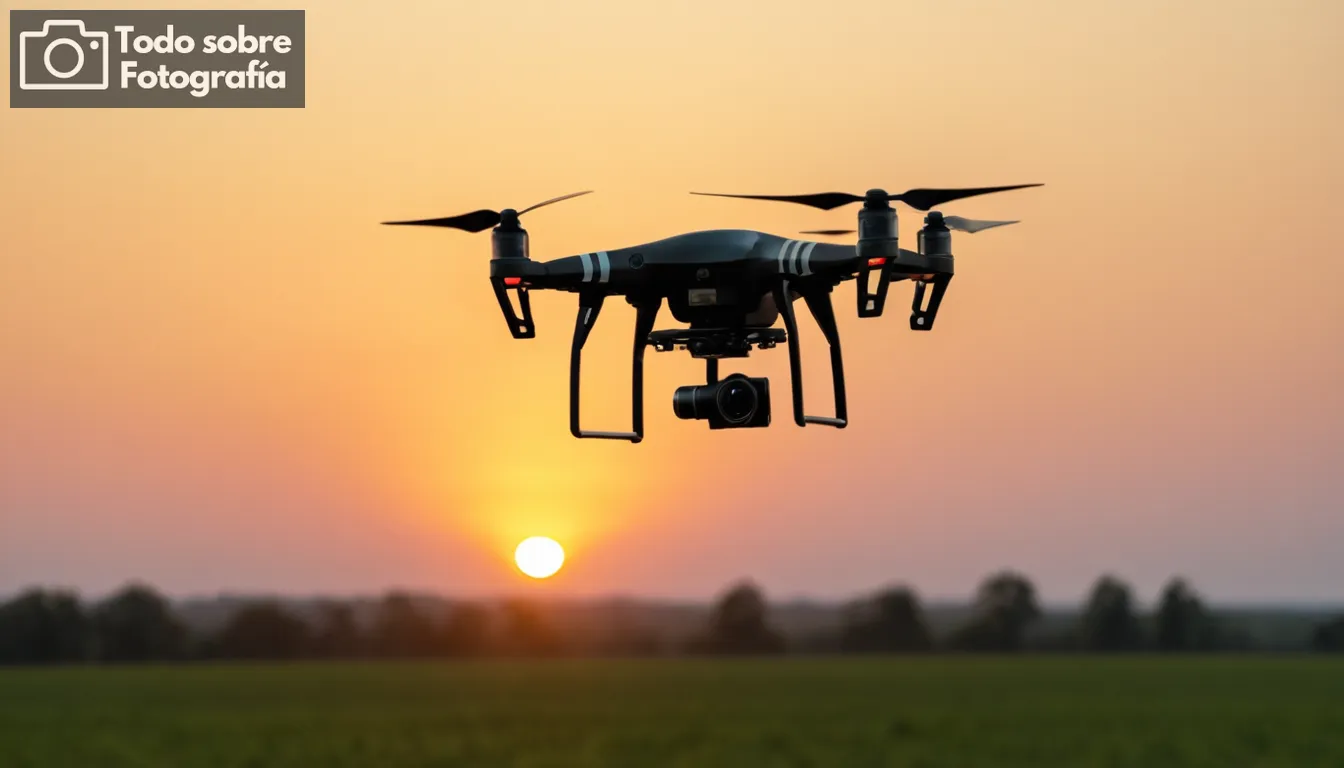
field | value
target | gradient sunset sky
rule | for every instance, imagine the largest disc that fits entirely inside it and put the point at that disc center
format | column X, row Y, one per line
column 218, row 372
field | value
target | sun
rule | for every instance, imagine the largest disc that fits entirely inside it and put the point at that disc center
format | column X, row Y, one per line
column 539, row 556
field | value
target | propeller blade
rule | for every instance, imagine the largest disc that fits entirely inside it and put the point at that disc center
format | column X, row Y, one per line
column 476, row 221
column 825, row 201
column 555, row 200
column 953, row 222
column 924, row 199
column 921, row 199
column 479, row 221
column 972, row 225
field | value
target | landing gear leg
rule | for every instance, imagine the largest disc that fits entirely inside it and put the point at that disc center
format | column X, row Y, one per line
column 646, row 313
column 921, row 318
column 819, row 302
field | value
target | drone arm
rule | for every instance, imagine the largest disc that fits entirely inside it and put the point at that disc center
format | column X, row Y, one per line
column 880, row 263
column 590, row 304
column 585, row 271
column 797, row 259
column 819, row 302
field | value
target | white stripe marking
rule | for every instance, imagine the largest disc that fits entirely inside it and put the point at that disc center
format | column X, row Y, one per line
column 587, row 268
column 782, row 249
column 605, row 266
column 793, row 257
column 807, row 257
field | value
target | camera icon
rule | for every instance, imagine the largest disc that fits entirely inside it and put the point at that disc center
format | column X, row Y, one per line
column 45, row 58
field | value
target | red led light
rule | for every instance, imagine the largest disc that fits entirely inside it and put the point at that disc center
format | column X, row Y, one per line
column 877, row 261
column 511, row 281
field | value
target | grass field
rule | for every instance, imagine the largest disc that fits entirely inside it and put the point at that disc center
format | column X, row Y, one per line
column 1217, row 712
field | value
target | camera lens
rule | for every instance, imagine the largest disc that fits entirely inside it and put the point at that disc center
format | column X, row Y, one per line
column 683, row 403
column 737, row 400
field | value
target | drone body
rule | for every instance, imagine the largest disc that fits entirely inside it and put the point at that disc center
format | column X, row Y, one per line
column 729, row 287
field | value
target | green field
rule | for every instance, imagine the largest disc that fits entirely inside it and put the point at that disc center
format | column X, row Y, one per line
column 1217, row 712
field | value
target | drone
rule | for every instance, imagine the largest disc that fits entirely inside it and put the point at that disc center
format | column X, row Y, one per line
column 729, row 287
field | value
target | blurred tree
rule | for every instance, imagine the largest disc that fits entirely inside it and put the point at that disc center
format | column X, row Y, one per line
column 468, row 630
column 527, row 632
column 627, row 635
column 1183, row 623
column 44, row 627
column 336, row 634
column 263, row 630
column 402, row 630
column 620, row 629
column 138, row 624
column 1005, row 605
column 1109, row 622
column 629, row 640
column 892, row 621
column 1329, row 636
column 740, row 625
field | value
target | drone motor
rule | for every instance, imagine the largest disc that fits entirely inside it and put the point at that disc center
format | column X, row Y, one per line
column 935, row 239
column 878, row 248
column 935, row 244
column 509, row 239
column 511, row 267
column 509, row 259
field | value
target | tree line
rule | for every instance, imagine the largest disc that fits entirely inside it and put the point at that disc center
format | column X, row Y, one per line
column 138, row 624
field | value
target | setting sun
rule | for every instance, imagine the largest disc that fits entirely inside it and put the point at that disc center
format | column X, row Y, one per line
column 539, row 556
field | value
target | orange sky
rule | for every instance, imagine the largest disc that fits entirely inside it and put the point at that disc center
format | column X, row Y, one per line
column 217, row 372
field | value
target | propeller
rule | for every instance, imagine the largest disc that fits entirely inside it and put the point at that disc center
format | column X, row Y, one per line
column 952, row 222
column 479, row 221
column 973, row 225
column 920, row 199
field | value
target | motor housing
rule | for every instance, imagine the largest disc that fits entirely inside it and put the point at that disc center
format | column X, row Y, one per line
column 509, row 243
column 935, row 248
column 935, row 239
column 877, row 249
column 509, row 259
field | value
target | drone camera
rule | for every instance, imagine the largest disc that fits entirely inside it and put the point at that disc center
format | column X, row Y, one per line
column 736, row 402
